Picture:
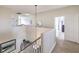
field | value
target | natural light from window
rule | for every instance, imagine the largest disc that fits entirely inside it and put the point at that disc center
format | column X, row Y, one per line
column 24, row 20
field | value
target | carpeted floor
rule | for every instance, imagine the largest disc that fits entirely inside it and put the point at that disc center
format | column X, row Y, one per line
column 64, row 46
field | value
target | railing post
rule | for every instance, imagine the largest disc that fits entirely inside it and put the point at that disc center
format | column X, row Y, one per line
column 0, row 48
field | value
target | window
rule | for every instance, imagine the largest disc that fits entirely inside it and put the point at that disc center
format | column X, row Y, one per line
column 24, row 20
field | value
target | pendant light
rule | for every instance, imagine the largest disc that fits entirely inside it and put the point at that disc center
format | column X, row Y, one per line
column 35, row 15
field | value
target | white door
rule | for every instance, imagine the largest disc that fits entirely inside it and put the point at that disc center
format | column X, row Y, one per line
column 59, row 24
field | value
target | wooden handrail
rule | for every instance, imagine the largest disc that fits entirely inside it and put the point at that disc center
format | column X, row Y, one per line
column 30, row 44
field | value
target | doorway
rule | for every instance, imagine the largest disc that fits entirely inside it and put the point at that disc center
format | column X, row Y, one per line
column 59, row 26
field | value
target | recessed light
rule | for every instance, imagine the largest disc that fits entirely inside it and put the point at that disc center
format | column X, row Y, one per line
column 27, row 14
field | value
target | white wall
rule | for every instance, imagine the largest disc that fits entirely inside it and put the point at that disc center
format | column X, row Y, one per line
column 72, row 28
column 71, row 14
column 6, row 15
column 9, row 30
column 48, row 41
column 47, row 17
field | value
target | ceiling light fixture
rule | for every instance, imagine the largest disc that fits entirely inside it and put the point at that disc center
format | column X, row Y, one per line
column 19, row 13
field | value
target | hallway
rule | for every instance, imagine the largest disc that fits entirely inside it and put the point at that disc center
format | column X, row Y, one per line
column 66, row 47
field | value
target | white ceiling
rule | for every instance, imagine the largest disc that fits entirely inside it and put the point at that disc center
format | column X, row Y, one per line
column 31, row 8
